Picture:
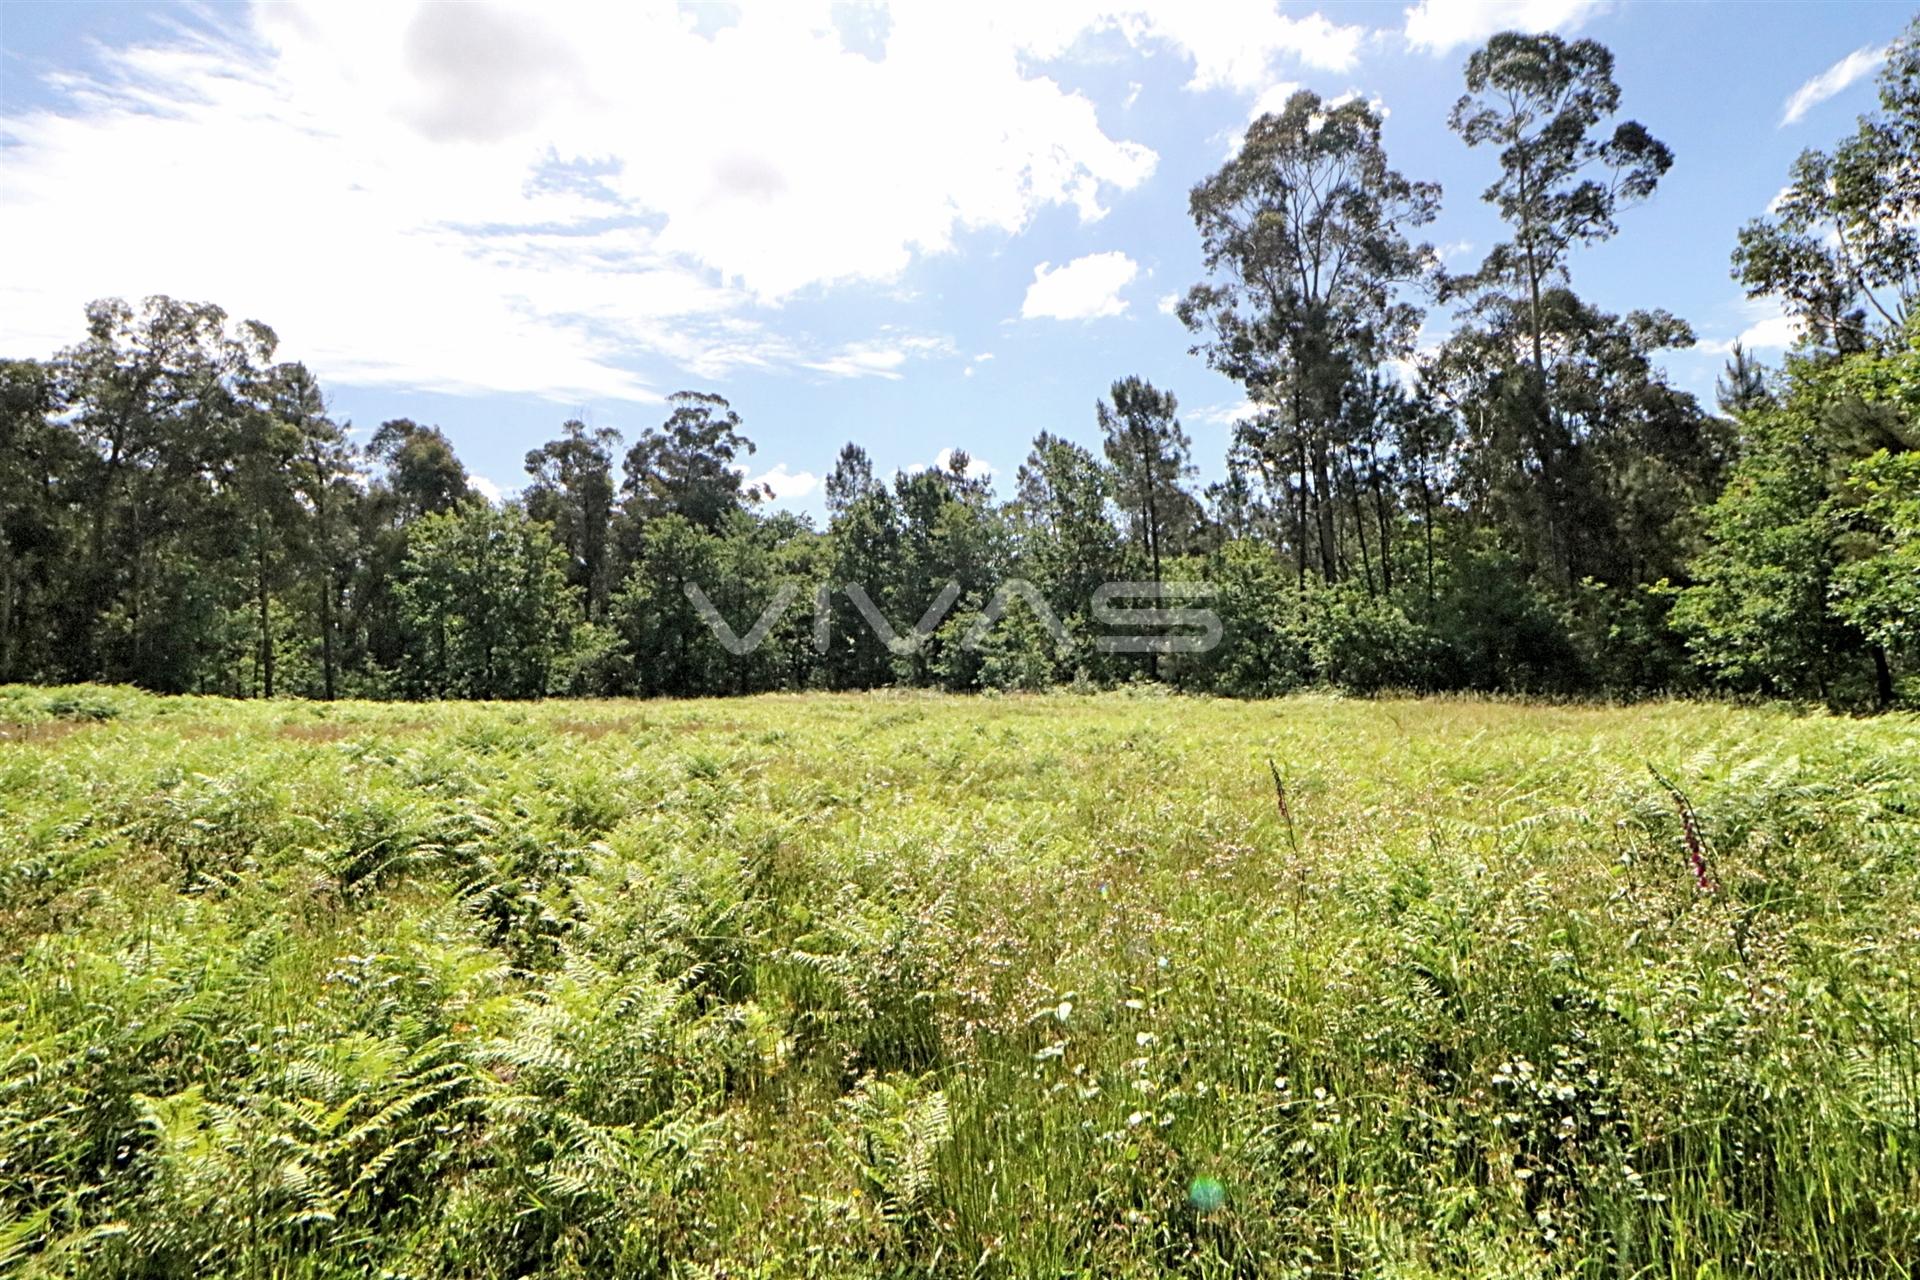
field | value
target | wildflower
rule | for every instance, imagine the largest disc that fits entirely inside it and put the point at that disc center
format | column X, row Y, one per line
column 1690, row 832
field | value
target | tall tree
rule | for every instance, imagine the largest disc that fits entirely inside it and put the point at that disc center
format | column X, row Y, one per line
column 1542, row 101
column 423, row 472
column 572, row 490
column 688, row 466
column 1306, row 246
column 1840, row 248
column 1564, row 177
column 155, row 401
column 1150, row 457
column 850, row 480
column 41, row 474
column 323, row 473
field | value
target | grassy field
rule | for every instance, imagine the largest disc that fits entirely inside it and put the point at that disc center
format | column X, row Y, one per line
column 906, row 985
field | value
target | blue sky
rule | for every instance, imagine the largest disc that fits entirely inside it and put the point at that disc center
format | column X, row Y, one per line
column 917, row 228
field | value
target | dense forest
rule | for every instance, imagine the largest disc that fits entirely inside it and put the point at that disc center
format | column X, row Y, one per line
column 1532, row 507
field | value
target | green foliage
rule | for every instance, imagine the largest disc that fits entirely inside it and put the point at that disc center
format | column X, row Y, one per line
column 1807, row 584
column 484, row 592
column 1876, row 587
column 1361, row 642
column 901, row 984
column 1837, row 247
column 1531, row 508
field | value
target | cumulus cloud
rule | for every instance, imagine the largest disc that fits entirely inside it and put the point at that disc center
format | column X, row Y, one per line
column 1773, row 333
column 1084, row 289
column 480, row 198
column 976, row 468
column 1835, row 79
column 1768, row 330
column 1240, row 44
column 784, row 484
column 487, row 489
column 1440, row 26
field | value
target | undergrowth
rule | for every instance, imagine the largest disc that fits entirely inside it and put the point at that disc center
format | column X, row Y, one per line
column 902, row 985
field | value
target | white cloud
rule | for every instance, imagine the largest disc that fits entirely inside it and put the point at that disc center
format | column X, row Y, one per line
column 470, row 198
column 1084, row 289
column 1767, row 330
column 1224, row 415
column 1772, row 333
column 1440, row 26
column 880, row 358
column 785, row 485
column 1375, row 103
column 1169, row 305
column 1269, row 101
column 487, row 489
column 1238, row 44
column 977, row 468
column 1272, row 99
column 1835, row 79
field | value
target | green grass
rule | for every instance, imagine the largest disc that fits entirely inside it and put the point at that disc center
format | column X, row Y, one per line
column 906, row 985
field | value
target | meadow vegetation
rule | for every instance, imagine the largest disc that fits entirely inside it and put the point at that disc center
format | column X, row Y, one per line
column 906, row 984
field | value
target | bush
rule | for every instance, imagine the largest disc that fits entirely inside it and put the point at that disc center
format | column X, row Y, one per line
column 1364, row 643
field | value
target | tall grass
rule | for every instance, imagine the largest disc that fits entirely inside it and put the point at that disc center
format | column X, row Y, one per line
column 901, row 985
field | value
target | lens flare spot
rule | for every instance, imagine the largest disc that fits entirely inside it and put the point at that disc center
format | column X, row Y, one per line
column 1206, row 1194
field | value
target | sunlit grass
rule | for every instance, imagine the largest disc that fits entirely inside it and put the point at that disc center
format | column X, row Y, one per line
column 900, row 984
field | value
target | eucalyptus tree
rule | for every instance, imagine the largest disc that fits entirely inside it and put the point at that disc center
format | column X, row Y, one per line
column 689, row 466
column 1563, row 180
column 325, row 477
column 418, row 474
column 573, row 491
column 1305, row 235
column 286, row 457
column 1565, row 176
column 1840, row 247
column 422, row 472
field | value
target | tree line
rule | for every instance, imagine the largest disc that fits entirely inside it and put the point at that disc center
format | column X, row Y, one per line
column 1532, row 507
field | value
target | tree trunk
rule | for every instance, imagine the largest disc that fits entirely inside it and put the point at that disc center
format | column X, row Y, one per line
column 7, row 675
column 1324, row 513
column 1426, row 523
column 1882, row 678
column 326, row 632
column 1300, row 515
column 1153, row 528
column 266, row 626
column 1359, row 520
column 1383, row 510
